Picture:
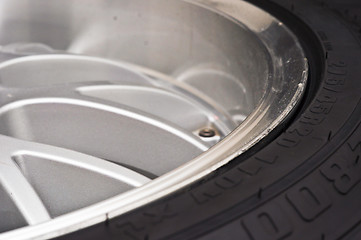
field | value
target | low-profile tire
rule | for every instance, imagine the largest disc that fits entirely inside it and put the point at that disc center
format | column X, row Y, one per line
column 302, row 181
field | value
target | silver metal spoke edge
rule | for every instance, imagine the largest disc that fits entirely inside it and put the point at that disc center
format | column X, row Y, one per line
column 223, row 121
column 116, row 108
column 24, row 195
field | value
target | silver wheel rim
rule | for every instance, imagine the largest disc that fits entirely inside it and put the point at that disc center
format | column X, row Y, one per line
column 48, row 127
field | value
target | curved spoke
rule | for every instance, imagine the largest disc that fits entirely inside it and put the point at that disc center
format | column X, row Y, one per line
column 84, row 161
column 18, row 148
column 22, row 193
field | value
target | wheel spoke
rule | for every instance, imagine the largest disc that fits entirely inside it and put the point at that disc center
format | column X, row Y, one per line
column 84, row 161
column 23, row 194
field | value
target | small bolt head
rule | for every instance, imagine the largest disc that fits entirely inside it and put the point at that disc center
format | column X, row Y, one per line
column 207, row 133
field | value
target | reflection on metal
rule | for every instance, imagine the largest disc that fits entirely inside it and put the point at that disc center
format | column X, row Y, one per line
column 174, row 89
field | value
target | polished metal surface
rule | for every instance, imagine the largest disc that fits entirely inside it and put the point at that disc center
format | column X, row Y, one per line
column 108, row 105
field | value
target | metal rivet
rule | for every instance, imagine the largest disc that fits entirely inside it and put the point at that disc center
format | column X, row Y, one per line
column 207, row 133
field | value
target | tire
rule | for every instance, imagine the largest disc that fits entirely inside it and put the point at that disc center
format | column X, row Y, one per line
column 303, row 181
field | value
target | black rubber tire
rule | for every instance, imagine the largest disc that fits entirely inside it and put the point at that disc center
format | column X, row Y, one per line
column 300, row 183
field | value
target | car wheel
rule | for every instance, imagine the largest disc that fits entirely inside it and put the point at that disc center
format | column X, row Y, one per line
column 180, row 119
